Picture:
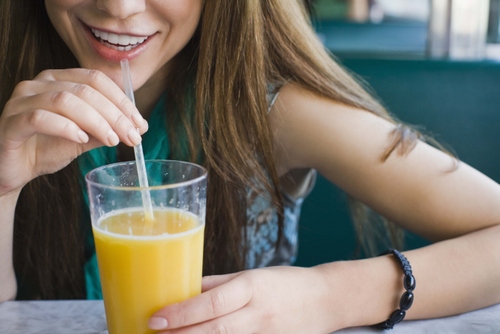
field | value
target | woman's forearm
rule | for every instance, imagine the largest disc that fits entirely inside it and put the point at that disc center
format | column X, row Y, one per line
column 8, row 285
column 453, row 276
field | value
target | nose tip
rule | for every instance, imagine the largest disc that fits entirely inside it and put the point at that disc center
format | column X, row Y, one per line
column 121, row 9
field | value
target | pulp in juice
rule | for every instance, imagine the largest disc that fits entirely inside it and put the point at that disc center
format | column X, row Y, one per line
column 141, row 274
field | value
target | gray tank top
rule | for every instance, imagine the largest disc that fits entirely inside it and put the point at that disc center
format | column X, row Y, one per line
column 262, row 219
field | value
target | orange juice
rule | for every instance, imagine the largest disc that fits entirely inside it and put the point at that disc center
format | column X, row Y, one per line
column 141, row 274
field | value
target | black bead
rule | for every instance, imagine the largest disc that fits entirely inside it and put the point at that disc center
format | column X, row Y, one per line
column 397, row 316
column 384, row 325
column 406, row 301
column 409, row 282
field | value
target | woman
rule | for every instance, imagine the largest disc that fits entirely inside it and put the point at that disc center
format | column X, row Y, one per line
column 211, row 69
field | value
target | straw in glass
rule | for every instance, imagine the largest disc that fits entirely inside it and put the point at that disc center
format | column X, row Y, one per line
column 139, row 155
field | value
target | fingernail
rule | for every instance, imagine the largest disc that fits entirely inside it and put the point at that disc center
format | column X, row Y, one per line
column 134, row 137
column 84, row 138
column 113, row 138
column 138, row 120
column 157, row 323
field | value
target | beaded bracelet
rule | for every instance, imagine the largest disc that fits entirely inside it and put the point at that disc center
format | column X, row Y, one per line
column 406, row 300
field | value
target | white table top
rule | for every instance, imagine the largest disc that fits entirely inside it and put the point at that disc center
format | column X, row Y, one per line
column 87, row 317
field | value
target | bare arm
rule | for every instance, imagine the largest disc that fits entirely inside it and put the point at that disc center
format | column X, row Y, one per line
column 8, row 288
column 421, row 191
column 453, row 276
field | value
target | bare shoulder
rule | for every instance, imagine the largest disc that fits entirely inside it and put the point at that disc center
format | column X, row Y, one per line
column 421, row 190
column 309, row 128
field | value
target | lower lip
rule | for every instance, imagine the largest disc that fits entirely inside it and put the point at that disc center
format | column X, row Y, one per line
column 111, row 54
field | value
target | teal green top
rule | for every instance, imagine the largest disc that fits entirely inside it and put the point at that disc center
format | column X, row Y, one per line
column 156, row 146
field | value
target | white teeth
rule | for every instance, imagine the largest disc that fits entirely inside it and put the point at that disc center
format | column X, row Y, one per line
column 113, row 38
column 124, row 42
column 122, row 48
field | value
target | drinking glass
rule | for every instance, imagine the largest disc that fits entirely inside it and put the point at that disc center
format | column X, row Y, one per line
column 146, row 263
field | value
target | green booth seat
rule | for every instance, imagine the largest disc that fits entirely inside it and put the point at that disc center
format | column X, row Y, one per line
column 457, row 102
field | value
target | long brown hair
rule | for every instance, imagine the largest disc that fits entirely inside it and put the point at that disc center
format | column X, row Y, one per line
column 239, row 48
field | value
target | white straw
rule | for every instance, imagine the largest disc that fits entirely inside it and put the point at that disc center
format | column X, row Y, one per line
column 139, row 155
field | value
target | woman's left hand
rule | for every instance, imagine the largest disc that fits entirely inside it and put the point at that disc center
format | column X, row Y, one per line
column 268, row 300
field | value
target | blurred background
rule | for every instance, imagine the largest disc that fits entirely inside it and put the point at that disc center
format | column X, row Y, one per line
column 433, row 64
column 459, row 29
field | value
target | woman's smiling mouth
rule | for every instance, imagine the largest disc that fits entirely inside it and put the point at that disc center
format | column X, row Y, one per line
column 115, row 46
column 118, row 42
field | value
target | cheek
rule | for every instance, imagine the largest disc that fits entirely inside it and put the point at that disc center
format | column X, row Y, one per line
column 59, row 12
column 58, row 6
column 58, row 16
column 177, row 12
column 62, row 14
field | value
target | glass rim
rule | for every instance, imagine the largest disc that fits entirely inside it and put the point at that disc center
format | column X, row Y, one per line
column 203, row 175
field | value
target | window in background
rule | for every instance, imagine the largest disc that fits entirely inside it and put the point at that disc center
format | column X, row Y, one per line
column 417, row 10
column 457, row 29
column 354, row 27
column 494, row 22
column 374, row 11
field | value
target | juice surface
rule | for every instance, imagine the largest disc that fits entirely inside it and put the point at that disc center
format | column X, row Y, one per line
column 141, row 273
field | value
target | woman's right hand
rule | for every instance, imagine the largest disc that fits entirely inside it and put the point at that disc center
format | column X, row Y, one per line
column 52, row 119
